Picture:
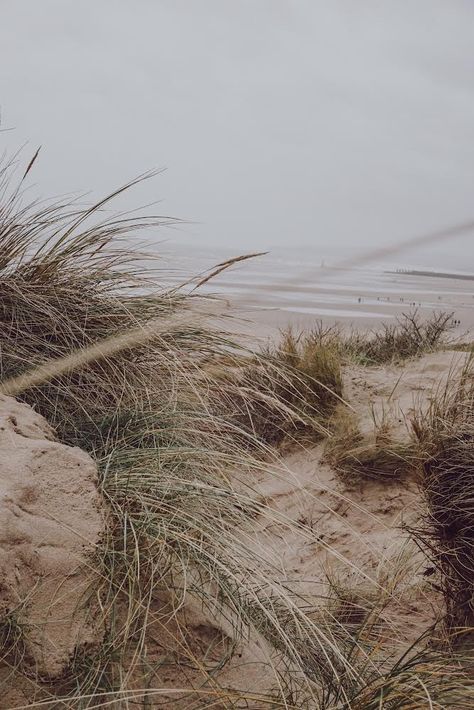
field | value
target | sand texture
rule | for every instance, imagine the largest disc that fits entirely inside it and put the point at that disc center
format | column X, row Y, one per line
column 50, row 521
column 362, row 545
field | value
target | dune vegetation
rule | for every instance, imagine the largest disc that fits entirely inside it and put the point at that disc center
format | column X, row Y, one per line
column 445, row 436
column 409, row 337
column 181, row 420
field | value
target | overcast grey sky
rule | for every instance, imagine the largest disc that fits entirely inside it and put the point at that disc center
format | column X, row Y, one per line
column 279, row 121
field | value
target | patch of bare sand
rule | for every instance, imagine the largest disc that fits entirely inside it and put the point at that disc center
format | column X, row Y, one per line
column 395, row 392
column 361, row 543
column 189, row 652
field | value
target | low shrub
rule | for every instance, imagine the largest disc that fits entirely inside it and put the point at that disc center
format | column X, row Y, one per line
column 408, row 337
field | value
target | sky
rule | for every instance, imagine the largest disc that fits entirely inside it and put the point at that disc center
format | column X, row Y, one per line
column 279, row 123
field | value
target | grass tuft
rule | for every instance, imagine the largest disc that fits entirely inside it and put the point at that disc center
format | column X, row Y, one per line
column 290, row 389
column 377, row 455
column 410, row 336
column 445, row 433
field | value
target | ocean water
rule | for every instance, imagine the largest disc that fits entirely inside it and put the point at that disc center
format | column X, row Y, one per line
column 323, row 284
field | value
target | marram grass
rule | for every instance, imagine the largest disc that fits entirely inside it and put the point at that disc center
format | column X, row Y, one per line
column 116, row 365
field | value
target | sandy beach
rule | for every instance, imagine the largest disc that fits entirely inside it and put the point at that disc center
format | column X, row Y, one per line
column 271, row 292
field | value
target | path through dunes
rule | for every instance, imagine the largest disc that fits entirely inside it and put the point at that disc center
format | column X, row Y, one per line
column 362, row 551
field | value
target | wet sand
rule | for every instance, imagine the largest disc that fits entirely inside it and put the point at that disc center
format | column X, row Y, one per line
column 265, row 310
column 275, row 290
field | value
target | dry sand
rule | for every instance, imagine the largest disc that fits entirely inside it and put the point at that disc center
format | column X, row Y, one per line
column 51, row 518
column 362, row 542
column 49, row 521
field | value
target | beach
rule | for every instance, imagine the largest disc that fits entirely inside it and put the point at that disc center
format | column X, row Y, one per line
column 272, row 291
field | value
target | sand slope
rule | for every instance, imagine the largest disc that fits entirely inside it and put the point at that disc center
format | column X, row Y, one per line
column 358, row 540
column 49, row 520
column 361, row 544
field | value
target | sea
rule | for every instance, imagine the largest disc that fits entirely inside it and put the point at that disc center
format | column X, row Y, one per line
column 339, row 284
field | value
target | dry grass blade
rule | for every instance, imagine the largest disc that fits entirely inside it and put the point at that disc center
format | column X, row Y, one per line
column 107, row 347
column 31, row 163
column 225, row 265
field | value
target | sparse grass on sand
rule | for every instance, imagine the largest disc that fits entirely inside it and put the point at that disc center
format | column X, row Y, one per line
column 178, row 483
column 409, row 336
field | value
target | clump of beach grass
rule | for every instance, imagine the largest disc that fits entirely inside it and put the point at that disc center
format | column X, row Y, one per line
column 445, row 432
column 114, row 363
column 289, row 390
column 410, row 336
column 375, row 455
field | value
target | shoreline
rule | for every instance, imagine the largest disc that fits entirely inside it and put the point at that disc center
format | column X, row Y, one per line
column 273, row 296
